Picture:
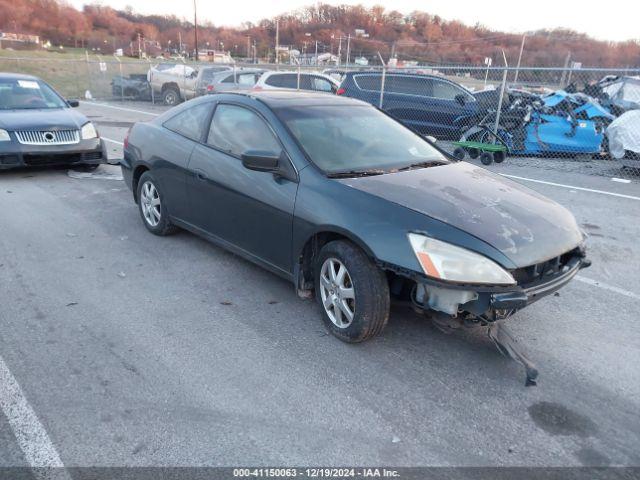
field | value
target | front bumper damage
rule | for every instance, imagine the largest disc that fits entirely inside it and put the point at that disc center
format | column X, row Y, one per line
column 453, row 306
column 488, row 303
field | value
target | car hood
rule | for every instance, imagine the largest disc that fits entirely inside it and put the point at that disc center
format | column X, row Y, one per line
column 44, row 119
column 526, row 227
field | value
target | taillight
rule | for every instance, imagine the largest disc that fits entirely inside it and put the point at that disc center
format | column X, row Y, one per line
column 125, row 143
column 341, row 91
column 210, row 88
column 257, row 87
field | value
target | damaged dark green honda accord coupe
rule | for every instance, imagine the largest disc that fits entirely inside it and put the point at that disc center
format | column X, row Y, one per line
column 349, row 204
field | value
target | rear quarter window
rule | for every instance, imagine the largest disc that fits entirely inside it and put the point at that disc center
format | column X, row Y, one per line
column 191, row 122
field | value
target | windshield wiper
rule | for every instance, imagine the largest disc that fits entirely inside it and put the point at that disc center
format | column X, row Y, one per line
column 356, row 173
column 427, row 163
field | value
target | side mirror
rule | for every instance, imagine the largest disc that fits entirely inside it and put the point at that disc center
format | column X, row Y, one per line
column 261, row 161
column 73, row 103
column 460, row 99
column 431, row 138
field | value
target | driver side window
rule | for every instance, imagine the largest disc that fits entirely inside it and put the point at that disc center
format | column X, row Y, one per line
column 236, row 129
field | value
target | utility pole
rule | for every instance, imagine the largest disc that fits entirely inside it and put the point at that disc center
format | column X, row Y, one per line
column 339, row 51
column 515, row 78
column 277, row 41
column 195, row 27
column 139, row 47
column 316, row 52
column 180, row 42
column 248, row 47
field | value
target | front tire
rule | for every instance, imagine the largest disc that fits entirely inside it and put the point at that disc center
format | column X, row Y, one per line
column 352, row 291
column 153, row 209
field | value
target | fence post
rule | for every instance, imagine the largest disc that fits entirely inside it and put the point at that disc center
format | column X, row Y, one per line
column 121, row 78
column 502, row 89
column 150, row 80
column 384, row 74
column 298, row 62
column 77, row 78
column 86, row 53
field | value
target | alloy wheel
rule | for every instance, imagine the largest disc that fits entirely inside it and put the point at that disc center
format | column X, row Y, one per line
column 336, row 292
column 150, row 203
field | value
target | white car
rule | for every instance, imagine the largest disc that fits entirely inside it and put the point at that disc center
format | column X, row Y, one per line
column 293, row 81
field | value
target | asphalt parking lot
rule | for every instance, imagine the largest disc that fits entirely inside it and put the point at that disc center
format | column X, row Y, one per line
column 120, row 348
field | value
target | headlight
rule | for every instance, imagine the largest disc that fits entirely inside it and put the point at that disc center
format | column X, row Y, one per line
column 4, row 136
column 88, row 131
column 455, row 264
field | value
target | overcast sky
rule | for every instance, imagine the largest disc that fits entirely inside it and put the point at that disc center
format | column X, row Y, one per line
column 606, row 20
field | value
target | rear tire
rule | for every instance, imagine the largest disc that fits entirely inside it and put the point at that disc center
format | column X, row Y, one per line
column 171, row 96
column 474, row 153
column 153, row 209
column 499, row 157
column 361, row 289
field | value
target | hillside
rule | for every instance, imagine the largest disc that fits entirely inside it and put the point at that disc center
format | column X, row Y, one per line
column 416, row 36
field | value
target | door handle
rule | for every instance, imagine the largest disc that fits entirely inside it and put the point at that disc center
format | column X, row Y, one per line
column 200, row 175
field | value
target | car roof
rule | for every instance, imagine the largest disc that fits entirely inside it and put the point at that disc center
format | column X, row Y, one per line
column 294, row 98
column 16, row 76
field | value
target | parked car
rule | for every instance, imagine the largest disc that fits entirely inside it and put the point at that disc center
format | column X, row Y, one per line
column 135, row 87
column 175, row 83
column 39, row 127
column 234, row 80
column 429, row 104
column 291, row 80
column 341, row 199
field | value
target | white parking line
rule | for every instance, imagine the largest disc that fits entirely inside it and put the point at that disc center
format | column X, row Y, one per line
column 605, row 286
column 29, row 432
column 603, row 192
column 121, row 108
column 112, row 140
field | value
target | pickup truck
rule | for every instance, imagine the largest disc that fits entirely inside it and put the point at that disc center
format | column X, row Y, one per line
column 175, row 83
column 135, row 87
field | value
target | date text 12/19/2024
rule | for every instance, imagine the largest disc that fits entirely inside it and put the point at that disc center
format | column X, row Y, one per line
column 285, row 473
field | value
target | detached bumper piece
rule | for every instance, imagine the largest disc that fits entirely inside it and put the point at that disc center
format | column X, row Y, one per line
column 548, row 277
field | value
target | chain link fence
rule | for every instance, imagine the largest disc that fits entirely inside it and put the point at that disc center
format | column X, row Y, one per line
column 579, row 120
column 584, row 120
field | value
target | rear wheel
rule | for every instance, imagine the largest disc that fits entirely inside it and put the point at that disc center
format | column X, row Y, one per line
column 170, row 96
column 474, row 153
column 352, row 291
column 152, row 208
column 499, row 157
